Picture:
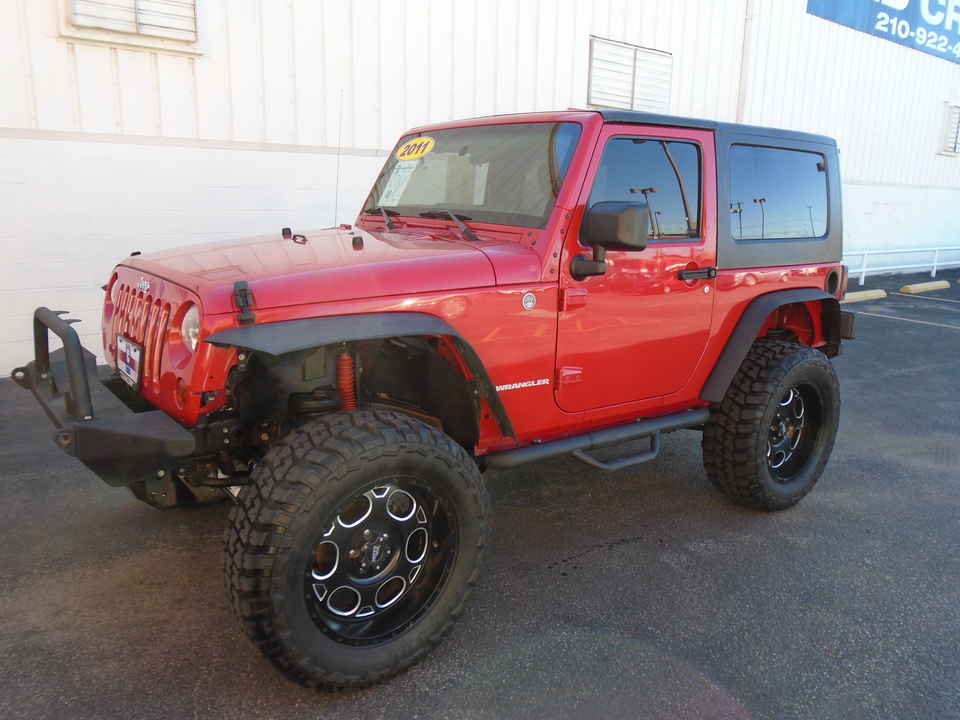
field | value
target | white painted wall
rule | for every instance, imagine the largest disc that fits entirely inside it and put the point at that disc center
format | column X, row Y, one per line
column 108, row 146
column 71, row 208
column 881, row 216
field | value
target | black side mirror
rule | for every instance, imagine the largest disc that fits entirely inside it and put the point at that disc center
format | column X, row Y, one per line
column 610, row 225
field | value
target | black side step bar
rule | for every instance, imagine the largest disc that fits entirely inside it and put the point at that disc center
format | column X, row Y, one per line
column 507, row 459
column 621, row 462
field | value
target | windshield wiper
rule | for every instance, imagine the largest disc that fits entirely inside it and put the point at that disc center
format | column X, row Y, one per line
column 456, row 218
column 386, row 215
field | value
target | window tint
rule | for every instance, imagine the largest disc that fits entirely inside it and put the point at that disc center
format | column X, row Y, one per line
column 565, row 138
column 663, row 173
column 776, row 193
column 505, row 174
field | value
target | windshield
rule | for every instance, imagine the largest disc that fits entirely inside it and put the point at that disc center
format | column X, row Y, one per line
column 504, row 174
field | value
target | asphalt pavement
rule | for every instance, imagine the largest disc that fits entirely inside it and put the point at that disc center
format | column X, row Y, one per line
column 637, row 594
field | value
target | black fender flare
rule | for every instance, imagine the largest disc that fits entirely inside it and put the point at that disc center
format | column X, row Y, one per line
column 288, row 336
column 748, row 328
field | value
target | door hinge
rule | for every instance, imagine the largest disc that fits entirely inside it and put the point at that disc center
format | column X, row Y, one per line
column 574, row 298
column 569, row 376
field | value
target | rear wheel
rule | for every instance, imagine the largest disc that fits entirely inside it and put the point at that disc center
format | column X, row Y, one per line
column 768, row 441
column 355, row 547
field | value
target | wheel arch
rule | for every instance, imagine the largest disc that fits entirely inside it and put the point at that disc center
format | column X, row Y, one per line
column 759, row 313
column 291, row 336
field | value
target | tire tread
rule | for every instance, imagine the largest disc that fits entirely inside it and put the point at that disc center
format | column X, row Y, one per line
column 291, row 479
column 735, row 427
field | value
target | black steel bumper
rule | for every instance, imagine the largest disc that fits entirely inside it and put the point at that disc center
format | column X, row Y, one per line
column 99, row 422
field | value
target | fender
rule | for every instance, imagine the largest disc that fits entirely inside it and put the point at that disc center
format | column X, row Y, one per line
column 748, row 328
column 291, row 335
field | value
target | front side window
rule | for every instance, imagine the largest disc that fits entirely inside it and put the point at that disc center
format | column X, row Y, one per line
column 777, row 193
column 503, row 174
column 665, row 174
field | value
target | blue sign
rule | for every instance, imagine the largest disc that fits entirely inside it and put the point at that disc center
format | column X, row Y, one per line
column 932, row 26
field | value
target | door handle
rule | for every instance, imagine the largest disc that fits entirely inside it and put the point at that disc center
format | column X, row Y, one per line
column 702, row 274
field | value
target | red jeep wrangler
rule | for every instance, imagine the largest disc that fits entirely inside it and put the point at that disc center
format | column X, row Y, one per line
column 515, row 289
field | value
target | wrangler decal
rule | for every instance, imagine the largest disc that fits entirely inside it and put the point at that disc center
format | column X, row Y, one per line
column 526, row 384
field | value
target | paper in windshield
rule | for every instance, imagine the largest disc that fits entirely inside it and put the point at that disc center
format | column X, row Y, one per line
column 397, row 183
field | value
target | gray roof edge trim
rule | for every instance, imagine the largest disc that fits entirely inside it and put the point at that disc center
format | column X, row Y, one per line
column 630, row 117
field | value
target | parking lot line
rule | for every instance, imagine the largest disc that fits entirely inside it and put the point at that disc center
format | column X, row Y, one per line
column 926, row 297
column 919, row 322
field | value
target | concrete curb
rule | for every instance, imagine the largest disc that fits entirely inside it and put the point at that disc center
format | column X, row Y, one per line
column 925, row 287
column 853, row 297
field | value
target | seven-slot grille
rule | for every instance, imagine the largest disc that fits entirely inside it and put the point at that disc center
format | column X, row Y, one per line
column 140, row 317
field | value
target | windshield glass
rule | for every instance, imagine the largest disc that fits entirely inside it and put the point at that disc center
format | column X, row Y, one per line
column 504, row 174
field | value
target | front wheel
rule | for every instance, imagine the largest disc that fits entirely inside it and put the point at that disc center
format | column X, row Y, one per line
column 768, row 441
column 355, row 547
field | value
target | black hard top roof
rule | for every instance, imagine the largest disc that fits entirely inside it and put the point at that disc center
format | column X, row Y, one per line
column 628, row 117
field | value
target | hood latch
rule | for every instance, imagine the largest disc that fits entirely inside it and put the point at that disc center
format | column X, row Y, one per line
column 244, row 300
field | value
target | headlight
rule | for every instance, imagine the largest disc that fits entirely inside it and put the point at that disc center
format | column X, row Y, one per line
column 190, row 328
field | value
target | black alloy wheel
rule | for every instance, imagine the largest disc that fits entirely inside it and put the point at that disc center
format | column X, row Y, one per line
column 355, row 547
column 793, row 433
column 380, row 560
column 767, row 442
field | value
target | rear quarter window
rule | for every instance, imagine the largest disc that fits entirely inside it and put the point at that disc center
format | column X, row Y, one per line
column 777, row 193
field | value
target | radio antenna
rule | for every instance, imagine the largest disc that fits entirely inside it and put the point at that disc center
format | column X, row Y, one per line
column 336, row 192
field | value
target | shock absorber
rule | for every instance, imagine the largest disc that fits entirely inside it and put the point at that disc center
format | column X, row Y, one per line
column 346, row 380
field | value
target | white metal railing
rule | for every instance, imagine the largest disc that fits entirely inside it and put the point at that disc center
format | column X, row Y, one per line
column 933, row 265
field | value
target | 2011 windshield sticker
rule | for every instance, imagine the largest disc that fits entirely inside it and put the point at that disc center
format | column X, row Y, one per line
column 415, row 149
column 526, row 384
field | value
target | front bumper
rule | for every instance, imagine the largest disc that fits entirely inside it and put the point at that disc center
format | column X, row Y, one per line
column 109, row 428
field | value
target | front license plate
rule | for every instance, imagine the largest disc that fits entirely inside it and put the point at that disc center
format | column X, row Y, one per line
column 129, row 355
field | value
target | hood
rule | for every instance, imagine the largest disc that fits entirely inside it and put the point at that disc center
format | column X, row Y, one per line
column 331, row 265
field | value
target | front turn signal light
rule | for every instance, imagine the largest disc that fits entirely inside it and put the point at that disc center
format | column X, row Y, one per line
column 181, row 392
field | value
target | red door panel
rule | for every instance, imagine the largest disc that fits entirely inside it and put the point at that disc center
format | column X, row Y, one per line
column 638, row 331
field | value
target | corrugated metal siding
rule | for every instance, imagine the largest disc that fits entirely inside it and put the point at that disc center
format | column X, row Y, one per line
column 356, row 74
column 329, row 72
column 883, row 102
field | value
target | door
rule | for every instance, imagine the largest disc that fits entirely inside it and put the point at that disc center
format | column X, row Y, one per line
column 637, row 332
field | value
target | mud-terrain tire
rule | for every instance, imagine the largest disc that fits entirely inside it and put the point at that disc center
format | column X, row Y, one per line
column 355, row 547
column 767, row 442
